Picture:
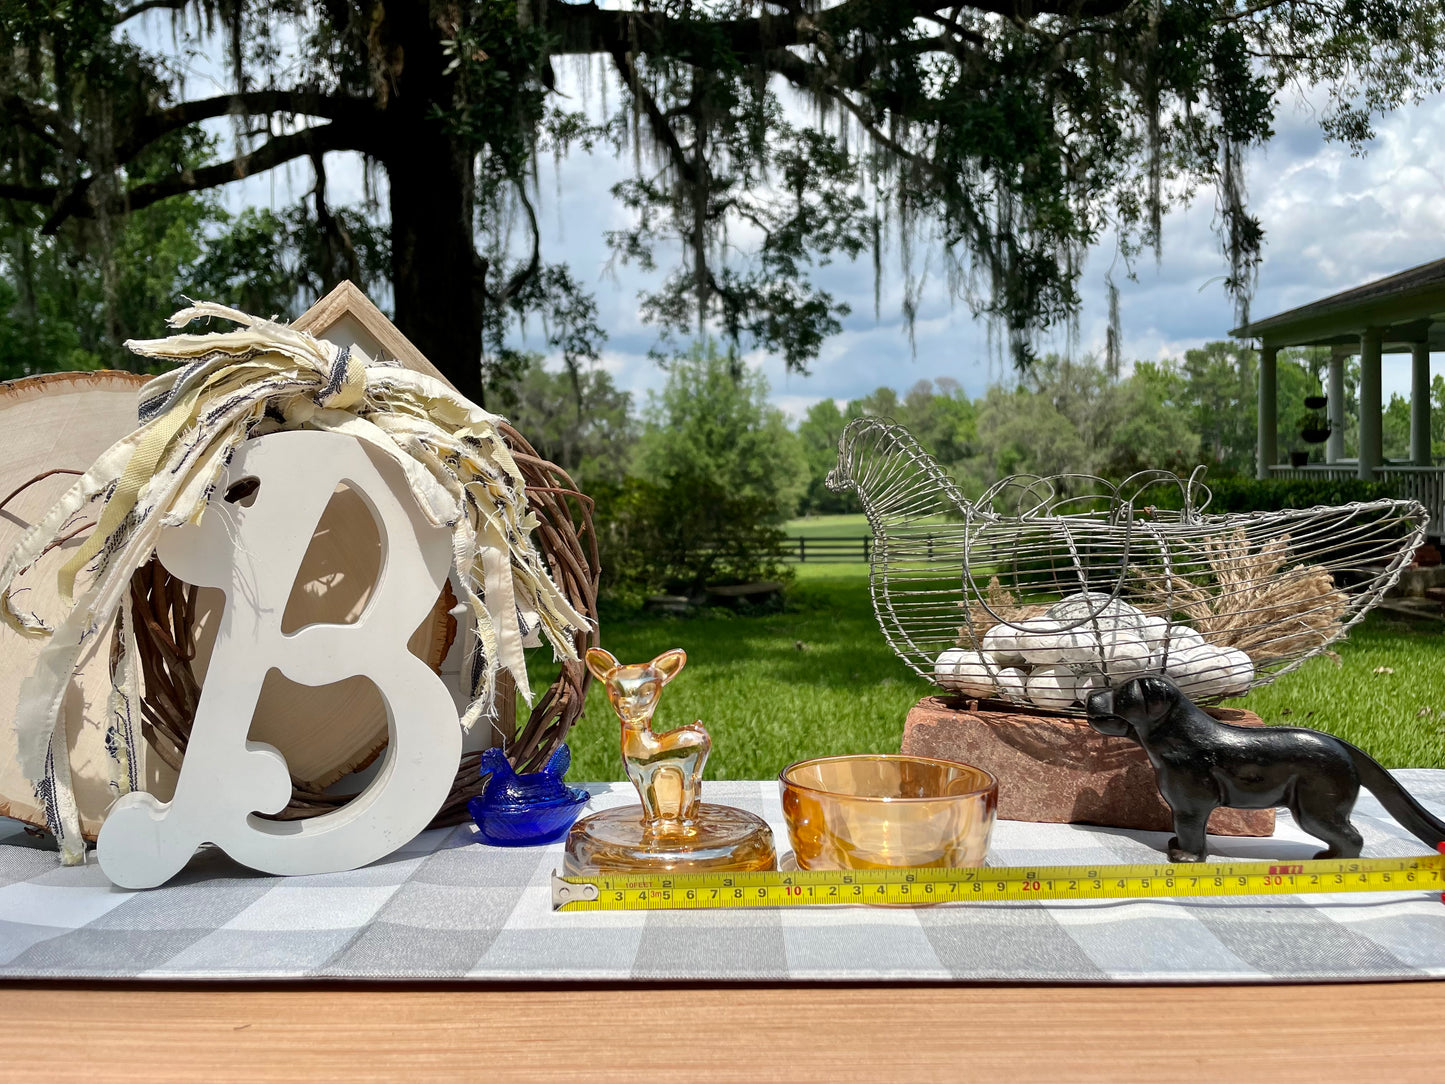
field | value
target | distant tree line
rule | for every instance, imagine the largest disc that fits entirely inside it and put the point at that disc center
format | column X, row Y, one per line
column 695, row 484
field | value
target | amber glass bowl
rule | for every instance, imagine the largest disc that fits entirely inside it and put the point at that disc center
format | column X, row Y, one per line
column 878, row 812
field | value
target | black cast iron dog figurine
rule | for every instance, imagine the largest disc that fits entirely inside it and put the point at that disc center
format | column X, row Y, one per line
column 1201, row 763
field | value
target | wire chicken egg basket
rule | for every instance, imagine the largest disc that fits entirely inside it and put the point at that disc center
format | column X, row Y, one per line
column 1045, row 589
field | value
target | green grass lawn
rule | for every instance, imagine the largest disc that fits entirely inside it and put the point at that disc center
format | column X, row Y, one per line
column 854, row 526
column 1386, row 694
column 812, row 680
column 817, row 678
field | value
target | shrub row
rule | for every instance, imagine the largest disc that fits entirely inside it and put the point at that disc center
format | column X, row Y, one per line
column 1271, row 495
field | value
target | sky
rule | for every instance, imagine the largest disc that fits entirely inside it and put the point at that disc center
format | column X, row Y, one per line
column 1332, row 220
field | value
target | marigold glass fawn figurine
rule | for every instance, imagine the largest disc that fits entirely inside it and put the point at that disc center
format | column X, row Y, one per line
column 674, row 829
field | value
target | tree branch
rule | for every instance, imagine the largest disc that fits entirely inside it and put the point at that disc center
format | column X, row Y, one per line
column 148, row 5
column 308, row 103
column 318, row 140
column 1024, row 10
column 798, row 72
column 519, row 279
column 42, row 122
column 359, row 116
column 48, row 125
column 657, row 121
column 586, row 28
column 29, row 193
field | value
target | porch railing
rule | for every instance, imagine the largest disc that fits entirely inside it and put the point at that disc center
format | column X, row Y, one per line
column 1423, row 484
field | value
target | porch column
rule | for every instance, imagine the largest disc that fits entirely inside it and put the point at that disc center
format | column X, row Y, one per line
column 1335, row 408
column 1268, row 451
column 1370, row 448
column 1420, row 404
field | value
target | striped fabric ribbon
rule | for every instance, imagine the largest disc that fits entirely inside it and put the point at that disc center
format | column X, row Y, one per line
column 231, row 386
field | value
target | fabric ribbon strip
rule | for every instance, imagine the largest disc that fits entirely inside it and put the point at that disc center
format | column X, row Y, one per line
column 231, row 386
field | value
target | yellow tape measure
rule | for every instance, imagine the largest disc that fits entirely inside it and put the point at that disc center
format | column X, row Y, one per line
column 673, row 891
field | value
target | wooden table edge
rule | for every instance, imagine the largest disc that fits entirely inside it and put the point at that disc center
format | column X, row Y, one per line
column 602, row 1032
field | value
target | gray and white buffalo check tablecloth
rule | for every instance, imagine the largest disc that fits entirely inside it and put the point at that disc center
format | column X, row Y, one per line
column 444, row 907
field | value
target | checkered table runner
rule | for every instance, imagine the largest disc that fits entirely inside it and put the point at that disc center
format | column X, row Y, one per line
column 444, row 907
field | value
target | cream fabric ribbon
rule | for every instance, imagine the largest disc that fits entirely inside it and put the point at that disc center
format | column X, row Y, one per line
column 231, row 386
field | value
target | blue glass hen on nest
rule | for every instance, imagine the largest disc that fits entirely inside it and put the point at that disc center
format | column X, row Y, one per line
column 525, row 810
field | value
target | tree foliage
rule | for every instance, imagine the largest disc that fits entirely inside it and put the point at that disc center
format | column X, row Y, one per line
column 818, row 435
column 1222, row 399
column 769, row 137
column 1071, row 417
column 578, row 420
column 271, row 263
column 715, row 474
column 1074, row 417
column 68, row 303
column 1395, row 423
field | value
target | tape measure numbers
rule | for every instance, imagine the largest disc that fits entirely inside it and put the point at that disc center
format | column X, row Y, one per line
column 676, row 891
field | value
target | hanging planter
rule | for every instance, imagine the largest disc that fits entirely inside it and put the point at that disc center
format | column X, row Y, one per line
column 1315, row 426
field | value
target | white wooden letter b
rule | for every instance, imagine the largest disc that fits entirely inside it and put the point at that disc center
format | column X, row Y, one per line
column 254, row 554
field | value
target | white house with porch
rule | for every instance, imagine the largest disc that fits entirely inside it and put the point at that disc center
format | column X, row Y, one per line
column 1401, row 314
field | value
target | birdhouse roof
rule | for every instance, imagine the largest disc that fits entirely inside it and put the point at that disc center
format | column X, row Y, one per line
column 347, row 317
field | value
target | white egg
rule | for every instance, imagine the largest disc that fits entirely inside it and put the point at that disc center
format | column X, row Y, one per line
column 1096, row 647
column 1036, row 625
column 1087, row 682
column 1186, row 665
column 1154, row 631
column 1090, row 606
column 1053, row 687
column 967, row 672
column 1084, row 647
column 1240, row 674
column 1012, row 684
column 1039, row 642
column 1204, row 671
column 1100, row 625
column 1182, row 637
column 1127, row 657
column 947, row 660
column 1001, row 642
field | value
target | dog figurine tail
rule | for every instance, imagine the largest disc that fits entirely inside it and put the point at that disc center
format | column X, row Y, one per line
column 1411, row 815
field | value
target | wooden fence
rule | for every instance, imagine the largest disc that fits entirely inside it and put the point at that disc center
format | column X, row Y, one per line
column 831, row 550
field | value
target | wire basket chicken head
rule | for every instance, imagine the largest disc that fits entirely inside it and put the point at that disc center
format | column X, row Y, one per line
column 1045, row 589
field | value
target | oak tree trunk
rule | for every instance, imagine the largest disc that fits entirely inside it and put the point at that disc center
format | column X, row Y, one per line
column 430, row 175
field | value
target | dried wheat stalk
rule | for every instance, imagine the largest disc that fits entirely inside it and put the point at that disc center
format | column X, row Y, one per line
column 1249, row 599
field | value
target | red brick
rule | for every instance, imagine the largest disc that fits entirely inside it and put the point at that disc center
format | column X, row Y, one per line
column 1059, row 769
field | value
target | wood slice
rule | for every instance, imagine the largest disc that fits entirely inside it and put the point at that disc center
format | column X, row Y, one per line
column 60, row 420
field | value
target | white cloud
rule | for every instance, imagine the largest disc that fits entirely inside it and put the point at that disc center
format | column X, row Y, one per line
column 794, row 406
